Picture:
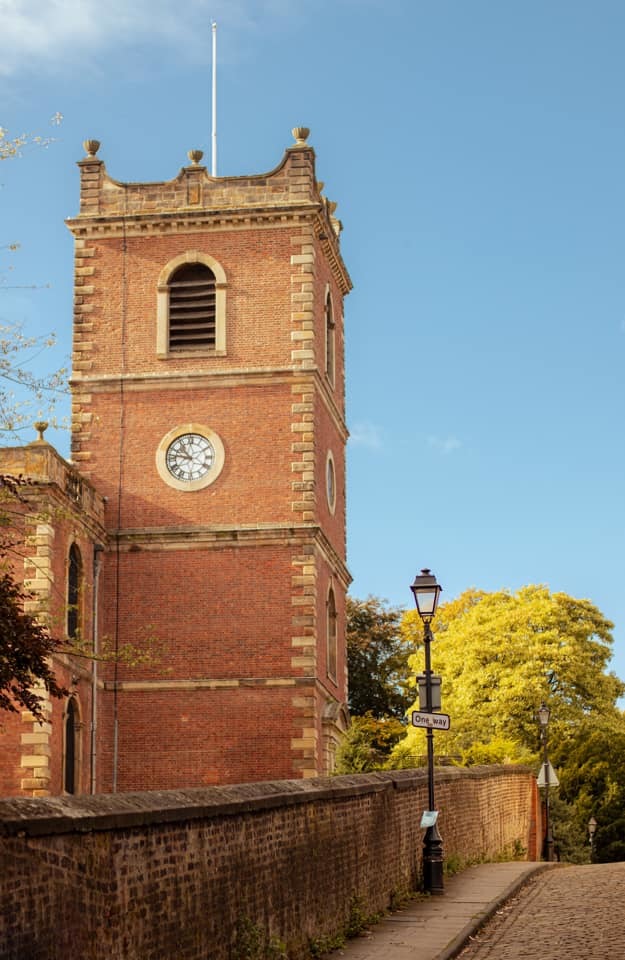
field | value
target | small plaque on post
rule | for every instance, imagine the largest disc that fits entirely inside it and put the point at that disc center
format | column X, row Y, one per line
column 429, row 818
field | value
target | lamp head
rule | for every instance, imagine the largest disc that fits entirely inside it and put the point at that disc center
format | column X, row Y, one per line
column 426, row 593
column 543, row 714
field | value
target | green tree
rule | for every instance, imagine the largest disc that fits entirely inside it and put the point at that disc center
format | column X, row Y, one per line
column 379, row 685
column 368, row 743
column 25, row 646
column 591, row 766
column 377, row 659
column 501, row 654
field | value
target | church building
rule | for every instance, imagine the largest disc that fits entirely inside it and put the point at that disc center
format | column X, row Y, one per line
column 194, row 547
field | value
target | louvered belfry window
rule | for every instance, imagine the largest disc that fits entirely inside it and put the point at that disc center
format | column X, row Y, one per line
column 192, row 308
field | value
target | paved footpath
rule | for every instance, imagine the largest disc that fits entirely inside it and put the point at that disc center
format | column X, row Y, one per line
column 436, row 928
column 565, row 913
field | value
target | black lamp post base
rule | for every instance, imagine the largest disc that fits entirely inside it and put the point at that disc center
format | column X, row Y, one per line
column 548, row 848
column 433, row 861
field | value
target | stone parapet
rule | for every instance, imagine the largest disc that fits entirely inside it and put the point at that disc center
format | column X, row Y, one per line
column 180, row 873
column 44, row 467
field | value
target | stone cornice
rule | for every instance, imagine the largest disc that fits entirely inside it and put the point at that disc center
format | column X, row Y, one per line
column 328, row 239
column 191, row 379
column 193, row 220
column 186, row 220
column 214, row 683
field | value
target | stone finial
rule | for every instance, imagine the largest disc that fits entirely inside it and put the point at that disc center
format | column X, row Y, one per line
column 195, row 156
column 301, row 135
column 41, row 426
column 91, row 147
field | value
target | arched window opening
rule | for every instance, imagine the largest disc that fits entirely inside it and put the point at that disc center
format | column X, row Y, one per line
column 192, row 308
column 332, row 634
column 330, row 330
column 71, row 734
column 74, row 578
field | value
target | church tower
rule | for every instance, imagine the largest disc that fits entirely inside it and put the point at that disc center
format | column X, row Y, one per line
column 208, row 409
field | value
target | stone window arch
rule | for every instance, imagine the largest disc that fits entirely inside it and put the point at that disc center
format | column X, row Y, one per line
column 335, row 724
column 74, row 591
column 191, row 307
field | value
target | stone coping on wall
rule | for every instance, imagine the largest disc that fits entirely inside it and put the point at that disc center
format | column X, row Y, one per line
column 44, row 816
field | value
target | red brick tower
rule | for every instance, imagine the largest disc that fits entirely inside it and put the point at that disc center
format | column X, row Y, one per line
column 208, row 409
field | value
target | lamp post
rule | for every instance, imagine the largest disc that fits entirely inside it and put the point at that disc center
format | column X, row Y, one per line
column 592, row 829
column 426, row 593
column 543, row 716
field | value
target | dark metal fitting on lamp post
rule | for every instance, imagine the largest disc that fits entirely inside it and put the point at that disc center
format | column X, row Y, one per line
column 422, row 687
column 433, row 861
column 426, row 593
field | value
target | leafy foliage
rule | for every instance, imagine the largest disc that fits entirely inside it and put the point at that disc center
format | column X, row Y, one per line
column 12, row 146
column 500, row 655
column 20, row 387
column 368, row 743
column 497, row 750
column 377, row 658
column 253, row 943
column 25, row 646
column 591, row 763
column 379, row 691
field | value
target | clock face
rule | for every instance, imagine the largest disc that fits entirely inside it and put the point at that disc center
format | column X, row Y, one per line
column 189, row 457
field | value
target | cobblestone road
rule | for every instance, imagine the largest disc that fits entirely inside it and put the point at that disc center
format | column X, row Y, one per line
column 562, row 914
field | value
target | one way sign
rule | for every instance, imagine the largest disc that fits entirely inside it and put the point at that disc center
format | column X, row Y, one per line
column 434, row 721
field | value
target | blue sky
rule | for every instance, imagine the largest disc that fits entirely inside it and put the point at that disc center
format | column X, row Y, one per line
column 477, row 152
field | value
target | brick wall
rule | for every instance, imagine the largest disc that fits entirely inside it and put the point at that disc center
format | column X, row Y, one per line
column 56, row 509
column 231, row 579
column 172, row 874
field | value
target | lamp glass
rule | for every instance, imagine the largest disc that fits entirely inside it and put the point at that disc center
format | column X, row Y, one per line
column 426, row 602
column 426, row 593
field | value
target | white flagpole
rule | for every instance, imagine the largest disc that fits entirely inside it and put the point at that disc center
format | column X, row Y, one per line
column 214, row 104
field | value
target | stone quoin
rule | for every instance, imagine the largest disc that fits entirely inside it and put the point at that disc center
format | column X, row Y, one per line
column 202, row 515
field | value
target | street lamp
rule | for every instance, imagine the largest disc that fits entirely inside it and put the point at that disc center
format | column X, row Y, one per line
column 592, row 829
column 543, row 716
column 426, row 593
